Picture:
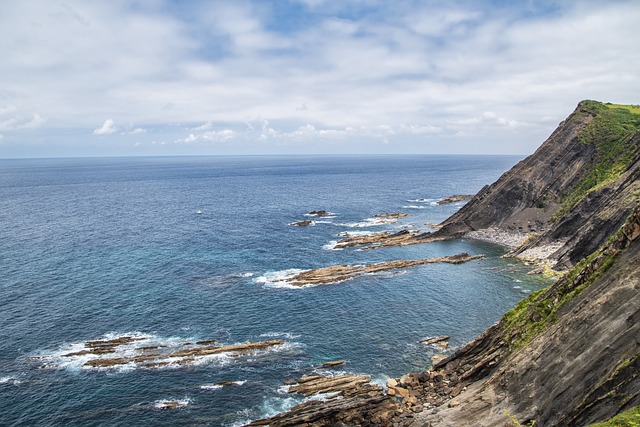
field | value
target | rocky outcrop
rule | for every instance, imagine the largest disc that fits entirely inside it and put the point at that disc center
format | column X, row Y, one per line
column 320, row 213
column 302, row 223
column 346, row 400
column 158, row 355
column 340, row 273
column 392, row 215
column 385, row 238
column 570, row 195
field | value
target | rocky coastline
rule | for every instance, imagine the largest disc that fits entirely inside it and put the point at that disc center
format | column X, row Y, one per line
column 555, row 207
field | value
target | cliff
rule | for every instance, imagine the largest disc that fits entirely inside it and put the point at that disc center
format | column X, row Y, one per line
column 567, row 355
column 568, row 197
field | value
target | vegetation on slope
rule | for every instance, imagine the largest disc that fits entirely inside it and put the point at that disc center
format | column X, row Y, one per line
column 630, row 418
column 610, row 133
column 535, row 313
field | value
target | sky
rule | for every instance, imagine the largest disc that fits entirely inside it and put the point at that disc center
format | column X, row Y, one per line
column 178, row 77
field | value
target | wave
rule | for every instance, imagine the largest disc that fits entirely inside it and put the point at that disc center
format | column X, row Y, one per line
column 413, row 207
column 369, row 222
column 331, row 246
column 355, row 233
column 285, row 335
column 10, row 381
column 279, row 279
column 172, row 403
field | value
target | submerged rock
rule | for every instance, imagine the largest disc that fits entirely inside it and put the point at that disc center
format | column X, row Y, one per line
column 303, row 223
column 319, row 213
column 333, row 363
column 391, row 215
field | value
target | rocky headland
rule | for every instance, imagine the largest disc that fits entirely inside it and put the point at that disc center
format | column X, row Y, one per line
column 567, row 355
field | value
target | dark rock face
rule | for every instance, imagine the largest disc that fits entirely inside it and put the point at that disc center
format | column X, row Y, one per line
column 534, row 196
column 582, row 367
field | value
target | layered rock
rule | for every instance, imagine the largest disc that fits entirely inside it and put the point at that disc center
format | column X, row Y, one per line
column 346, row 400
column 573, row 192
column 158, row 355
column 340, row 273
column 568, row 355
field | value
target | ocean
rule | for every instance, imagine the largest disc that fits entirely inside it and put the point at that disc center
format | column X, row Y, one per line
column 171, row 251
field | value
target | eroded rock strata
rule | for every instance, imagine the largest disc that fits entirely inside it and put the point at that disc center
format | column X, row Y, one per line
column 340, row 273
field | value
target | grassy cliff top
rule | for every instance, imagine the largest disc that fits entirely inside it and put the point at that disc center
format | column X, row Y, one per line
column 611, row 132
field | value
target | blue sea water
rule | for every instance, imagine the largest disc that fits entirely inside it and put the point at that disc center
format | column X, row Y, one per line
column 176, row 250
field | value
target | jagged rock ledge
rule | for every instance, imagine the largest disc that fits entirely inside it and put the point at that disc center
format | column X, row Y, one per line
column 340, row 273
column 346, row 399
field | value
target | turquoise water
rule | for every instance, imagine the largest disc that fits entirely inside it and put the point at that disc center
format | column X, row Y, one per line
column 176, row 250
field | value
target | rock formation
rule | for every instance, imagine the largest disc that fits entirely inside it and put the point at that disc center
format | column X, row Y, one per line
column 570, row 195
column 340, row 273
column 568, row 355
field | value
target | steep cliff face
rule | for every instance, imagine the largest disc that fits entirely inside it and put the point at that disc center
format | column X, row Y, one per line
column 566, row 356
column 571, row 194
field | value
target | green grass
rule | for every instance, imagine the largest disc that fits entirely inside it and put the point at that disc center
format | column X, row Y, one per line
column 635, row 109
column 630, row 418
column 534, row 314
column 610, row 133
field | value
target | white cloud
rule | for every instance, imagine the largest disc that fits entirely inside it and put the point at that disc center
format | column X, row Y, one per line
column 422, row 69
column 107, row 128
column 204, row 126
column 137, row 131
column 35, row 122
column 15, row 121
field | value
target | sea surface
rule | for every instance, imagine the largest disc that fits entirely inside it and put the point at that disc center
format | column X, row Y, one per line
column 174, row 250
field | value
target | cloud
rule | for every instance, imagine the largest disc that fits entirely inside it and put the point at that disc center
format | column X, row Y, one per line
column 107, row 128
column 478, row 70
column 137, row 131
column 35, row 122
column 13, row 120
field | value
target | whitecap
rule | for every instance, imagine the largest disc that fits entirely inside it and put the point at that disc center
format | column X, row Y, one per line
column 413, row 207
column 331, row 246
column 279, row 279
column 211, row 386
column 370, row 222
column 146, row 352
column 422, row 200
column 172, row 403
column 285, row 335
column 10, row 381
column 355, row 233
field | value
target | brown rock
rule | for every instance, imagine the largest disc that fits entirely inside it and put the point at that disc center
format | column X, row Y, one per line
column 438, row 358
column 453, row 403
column 434, row 340
column 333, row 363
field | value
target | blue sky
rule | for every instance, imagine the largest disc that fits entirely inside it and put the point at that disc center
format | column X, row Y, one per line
column 93, row 78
